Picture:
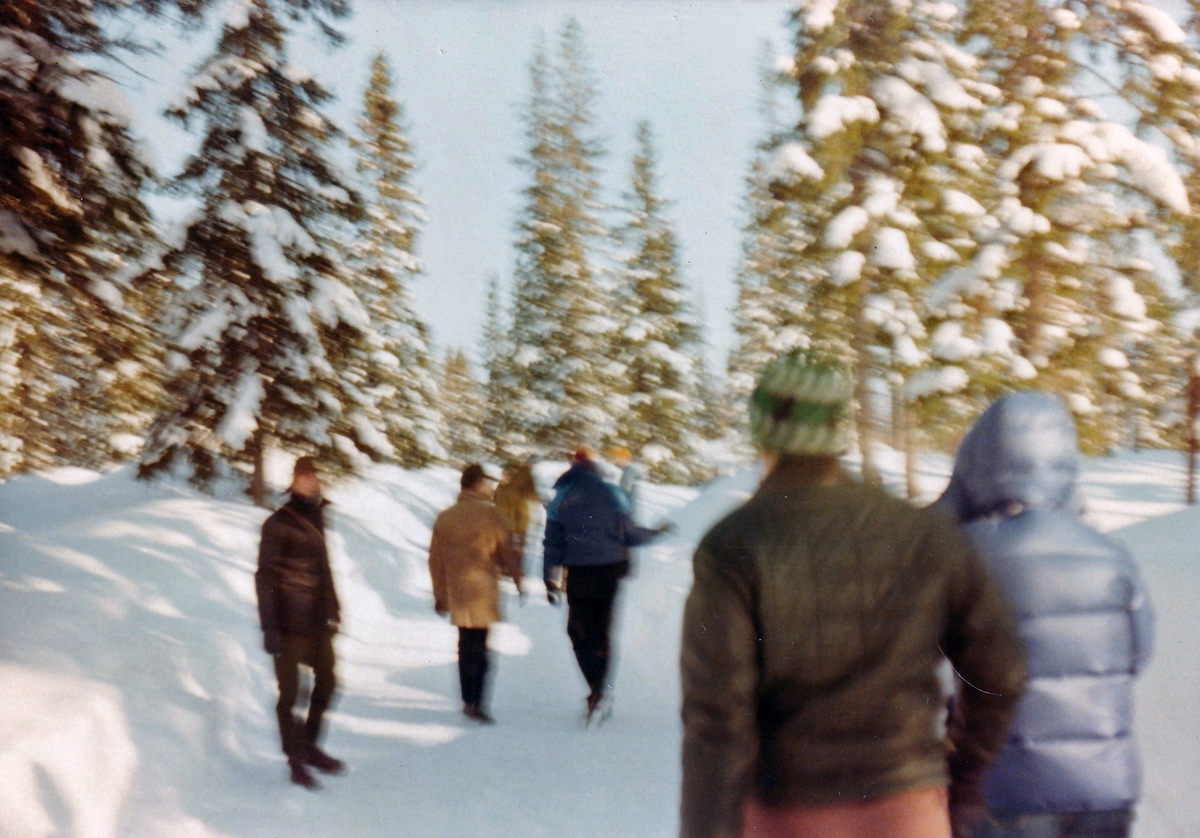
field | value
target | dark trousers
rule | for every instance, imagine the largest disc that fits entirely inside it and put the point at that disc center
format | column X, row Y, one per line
column 316, row 652
column 472, row 664
column 1114, row 823
column 591, row 597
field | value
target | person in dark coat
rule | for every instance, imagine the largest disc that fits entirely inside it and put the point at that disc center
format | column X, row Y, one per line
column 814, row 636
column 1070, row 768
column 299, row 611
column 589, row 532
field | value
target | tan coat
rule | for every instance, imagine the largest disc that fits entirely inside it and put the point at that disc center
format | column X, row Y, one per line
column 470, row 550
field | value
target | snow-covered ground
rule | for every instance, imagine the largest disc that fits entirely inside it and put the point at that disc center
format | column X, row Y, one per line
column 135, row 699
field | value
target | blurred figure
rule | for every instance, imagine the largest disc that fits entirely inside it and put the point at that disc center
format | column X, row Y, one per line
column 521, row 510
column 469, row 551
column 299, row 611
column 1070, row 767
column 813, row 637
column 630, row 475
column 589, row 533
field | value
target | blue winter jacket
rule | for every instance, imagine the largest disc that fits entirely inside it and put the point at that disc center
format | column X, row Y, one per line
column 587, row 523
column 1080, row 606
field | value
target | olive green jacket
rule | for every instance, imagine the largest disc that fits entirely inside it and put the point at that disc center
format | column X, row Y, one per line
column 812, row 642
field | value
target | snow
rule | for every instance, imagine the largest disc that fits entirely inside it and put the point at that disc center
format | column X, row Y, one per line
column 17, row 67
column 241, row 421
column 958, row 202
column 237, row 16
column 911, row 110
column 833, row 113
column 844, row 226
column 42, row 177
column 1112, row 358
column 139, row 702
column 791, row 160
column 818, row 15
column 846, row 267
column 14, row 238
column 1160, row 23
column 890, row 250
column 100, row 96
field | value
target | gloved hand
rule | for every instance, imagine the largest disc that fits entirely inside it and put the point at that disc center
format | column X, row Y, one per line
column 553, row 593
column 273, row 642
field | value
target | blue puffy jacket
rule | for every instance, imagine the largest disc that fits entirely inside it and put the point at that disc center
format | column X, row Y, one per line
column 588, row 523
column 1079, row 602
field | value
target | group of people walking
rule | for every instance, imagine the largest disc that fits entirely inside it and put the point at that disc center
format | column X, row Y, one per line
column 852, row 665
column 589, row 531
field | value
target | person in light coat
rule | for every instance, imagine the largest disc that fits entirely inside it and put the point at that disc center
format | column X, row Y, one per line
column 1070, row 767
column 468, row 553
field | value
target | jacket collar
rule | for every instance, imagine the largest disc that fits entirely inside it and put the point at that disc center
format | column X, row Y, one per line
column 804, row 473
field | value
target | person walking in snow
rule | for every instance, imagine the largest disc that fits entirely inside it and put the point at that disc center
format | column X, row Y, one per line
column 521, row 510
column 588, row 533
column 813, row 637
column 470, row 550
column 1070, row 768
column 299, row 612
column 630, row 475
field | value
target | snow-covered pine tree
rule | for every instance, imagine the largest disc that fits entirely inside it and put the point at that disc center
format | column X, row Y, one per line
column 563, row 334
column 503, row 431
column 888, row 106
column 1068, row 180
column 77, row 354
column 773, row 277
column 1160, row 64
column 400, row 376
column 270, row 343
column 659, row 339
column 465, row 410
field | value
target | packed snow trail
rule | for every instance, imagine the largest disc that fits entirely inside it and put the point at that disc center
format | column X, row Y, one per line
column 139, row 702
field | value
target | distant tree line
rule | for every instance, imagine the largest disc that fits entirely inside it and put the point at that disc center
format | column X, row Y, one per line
column 948, row 210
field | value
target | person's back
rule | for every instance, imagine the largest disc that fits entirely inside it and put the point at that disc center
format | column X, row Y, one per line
column 1083, row 616
column 813, row 637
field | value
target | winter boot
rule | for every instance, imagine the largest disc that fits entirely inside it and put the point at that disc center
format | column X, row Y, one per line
column 476, row 713
column 599, row 709
column 323, row 762
column 301, row 776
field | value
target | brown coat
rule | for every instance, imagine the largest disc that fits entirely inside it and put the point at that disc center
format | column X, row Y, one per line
column 470, row 550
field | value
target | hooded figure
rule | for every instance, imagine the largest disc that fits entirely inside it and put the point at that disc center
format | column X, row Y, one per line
column 1070, row 766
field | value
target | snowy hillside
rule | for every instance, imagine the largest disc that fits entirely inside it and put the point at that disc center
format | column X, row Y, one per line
column 138, row 700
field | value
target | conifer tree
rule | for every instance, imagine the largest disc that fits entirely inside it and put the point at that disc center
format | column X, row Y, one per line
column 563, row 334
column 1073, row 185
column 465, row 411
column 400, row 375
column 503, row 431
column 772, row 279
column 659, row 339
column 270, row 342
column 77, row 353
column 888, row 105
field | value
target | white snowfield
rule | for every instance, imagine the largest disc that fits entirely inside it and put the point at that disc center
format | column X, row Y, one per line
column 136, row 700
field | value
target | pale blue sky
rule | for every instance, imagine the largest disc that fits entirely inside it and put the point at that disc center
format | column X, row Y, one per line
column 461, row 70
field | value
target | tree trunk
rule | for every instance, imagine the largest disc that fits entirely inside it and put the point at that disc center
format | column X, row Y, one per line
column 865, row 415
column 1193, row 414
column 258, row 480
column 909, row 436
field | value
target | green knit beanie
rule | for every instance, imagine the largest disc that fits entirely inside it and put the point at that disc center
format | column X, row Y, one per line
column 801, row 406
